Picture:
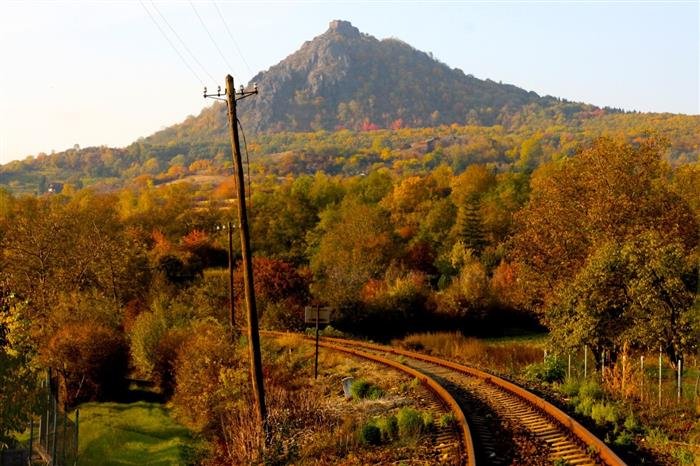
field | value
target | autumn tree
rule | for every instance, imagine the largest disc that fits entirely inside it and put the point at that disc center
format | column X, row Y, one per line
column 356, row 243
column 611, row 193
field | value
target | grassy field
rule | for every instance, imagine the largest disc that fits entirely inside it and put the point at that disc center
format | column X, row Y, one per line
column 138, row 433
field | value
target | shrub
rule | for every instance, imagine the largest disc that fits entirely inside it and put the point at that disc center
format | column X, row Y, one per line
column 389, row 428
column 410, row 423
column 207, row 374
column 146, row 332
column 361, row 388
column 570, row 387
column 447, row 420
column 624, row 439
column 551, row 370
column 91, row 360
column 370, row 434
column 591, row 390
column 603, row 413
column 631, row 423
column 164, row 358
column 284, row 315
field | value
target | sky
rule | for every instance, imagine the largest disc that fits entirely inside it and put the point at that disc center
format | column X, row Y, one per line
column 106, row 73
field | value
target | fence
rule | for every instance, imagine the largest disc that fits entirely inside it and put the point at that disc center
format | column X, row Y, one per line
column 55, row 436
column 651, row 379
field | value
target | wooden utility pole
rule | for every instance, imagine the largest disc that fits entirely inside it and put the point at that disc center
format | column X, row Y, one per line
column 231, row 308
column 231, row 96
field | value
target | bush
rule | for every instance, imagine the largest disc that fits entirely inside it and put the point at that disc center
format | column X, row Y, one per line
column 624, row 439
column 146, row 333
column 551, row 370
column 410, row 423
column 208, row 374
column 447, row 420
column 164, row 358
column 570, row 387
column 603, row 413
column 284, row 315
column 389, row 428
column 591, row 390
column 370, row 434
column 91, row 361
column 361, row 388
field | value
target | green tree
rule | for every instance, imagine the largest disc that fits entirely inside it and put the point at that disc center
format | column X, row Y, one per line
column 356, row 243
column 636, row 294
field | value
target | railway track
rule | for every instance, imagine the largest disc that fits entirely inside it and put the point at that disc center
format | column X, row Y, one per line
column 500, row 423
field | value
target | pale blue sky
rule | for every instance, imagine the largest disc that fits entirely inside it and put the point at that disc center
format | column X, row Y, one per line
column 94, row 73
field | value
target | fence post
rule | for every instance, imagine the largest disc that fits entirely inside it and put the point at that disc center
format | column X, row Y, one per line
column 602, row 366
column 31, row 439
column 53, row 444
column 680, row 380
column 75, row 434
column 659, row 376
column 624, row 373
column 63, row 434
column 585, row 362
column 569, row 368
column 641, row 385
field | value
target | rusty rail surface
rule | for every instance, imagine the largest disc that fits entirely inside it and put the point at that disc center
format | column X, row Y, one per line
column 581, row 433
column 428, row 381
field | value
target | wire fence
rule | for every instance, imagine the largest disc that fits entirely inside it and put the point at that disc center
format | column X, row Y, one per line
column 53, row 436
column 650, row 379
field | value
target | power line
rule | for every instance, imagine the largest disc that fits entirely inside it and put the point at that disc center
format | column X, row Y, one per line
column 171, row 43
column 211, row 37
column 233, row 40
column 182, row 42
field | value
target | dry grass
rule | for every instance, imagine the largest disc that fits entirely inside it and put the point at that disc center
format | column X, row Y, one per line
column 506, row 356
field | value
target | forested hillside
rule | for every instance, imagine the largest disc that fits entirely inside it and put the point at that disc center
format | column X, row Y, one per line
column 346, row 102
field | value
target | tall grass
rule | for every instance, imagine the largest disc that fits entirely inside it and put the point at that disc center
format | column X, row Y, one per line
column 498, row 355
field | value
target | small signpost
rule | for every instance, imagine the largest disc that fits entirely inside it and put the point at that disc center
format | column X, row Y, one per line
column 317, row 315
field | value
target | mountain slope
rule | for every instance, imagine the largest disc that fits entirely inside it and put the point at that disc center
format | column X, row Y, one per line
column 346, row 79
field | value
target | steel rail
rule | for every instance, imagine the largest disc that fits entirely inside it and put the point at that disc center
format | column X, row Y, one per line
column 428, row 381
column 578, row 431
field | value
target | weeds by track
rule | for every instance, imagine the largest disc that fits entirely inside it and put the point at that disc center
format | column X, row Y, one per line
column 509, row 424
column 454, row 449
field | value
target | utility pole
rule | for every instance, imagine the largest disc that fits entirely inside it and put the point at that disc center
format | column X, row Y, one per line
column 231, row 308
column 231, row 96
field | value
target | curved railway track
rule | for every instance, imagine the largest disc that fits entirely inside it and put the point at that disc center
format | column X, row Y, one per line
column 500, row 423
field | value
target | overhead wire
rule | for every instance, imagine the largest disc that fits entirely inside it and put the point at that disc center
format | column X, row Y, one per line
column 250, row 71
column 204, row 25
column 196, row 75
column 184, row 45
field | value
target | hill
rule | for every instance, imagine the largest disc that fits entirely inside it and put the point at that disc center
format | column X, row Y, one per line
column 343, row 98
column 344, row 79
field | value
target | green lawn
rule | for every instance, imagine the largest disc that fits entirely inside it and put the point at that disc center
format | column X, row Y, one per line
column 138, row 433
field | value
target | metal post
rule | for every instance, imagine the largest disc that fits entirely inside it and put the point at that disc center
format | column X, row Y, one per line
column 249, row 289
column 316, row 360
column 585, row 362
column 569, row 368
column 602, row 366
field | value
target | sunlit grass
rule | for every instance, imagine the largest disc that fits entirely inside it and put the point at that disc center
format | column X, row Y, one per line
column 135, row 433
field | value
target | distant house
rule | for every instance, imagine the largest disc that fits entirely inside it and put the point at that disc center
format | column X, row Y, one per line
column 55, row 188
